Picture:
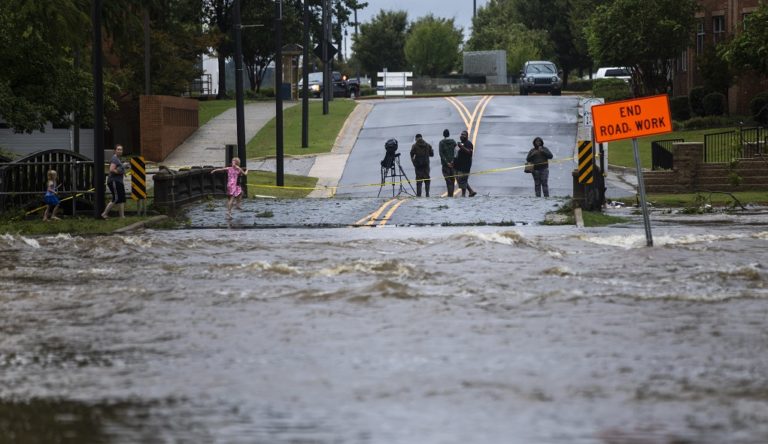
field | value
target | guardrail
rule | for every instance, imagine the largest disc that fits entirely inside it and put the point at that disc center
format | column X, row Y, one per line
column 735, row 144
column 176, row 188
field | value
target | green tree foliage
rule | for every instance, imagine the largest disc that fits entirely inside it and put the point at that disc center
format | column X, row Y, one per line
column 715, row 71
column 433, row 46
column 643, row 35
column 381, row 42
column 39, row 80
column 749, row 49
column 498, row 26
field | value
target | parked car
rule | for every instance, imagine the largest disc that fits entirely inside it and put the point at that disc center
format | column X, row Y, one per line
column 613, row 72
column 315, row 85
column 540, row 76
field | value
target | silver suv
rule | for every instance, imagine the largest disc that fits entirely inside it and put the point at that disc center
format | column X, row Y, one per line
column 540, row 76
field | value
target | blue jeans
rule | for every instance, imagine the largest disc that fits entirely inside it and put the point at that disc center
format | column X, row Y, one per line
column 541, row 182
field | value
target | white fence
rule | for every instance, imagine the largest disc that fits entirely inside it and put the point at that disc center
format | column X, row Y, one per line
column 394, row 84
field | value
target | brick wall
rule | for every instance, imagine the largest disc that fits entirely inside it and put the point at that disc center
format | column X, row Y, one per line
column 165, row 123
column 690, row 174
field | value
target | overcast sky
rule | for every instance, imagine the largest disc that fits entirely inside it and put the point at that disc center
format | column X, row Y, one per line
column 460, row 10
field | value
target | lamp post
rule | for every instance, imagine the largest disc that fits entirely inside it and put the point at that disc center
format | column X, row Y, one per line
column 305, row 82
column 279, row 96
column 98, row 110
column 240, row 108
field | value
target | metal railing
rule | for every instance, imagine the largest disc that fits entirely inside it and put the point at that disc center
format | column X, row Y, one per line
column 661, row 154
column 23, row 182
column 726, row 146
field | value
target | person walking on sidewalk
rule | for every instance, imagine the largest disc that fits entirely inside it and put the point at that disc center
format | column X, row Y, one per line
column 421, row 151
column 447, row 150
column 539, row 156
column 116, row 184
column 463, row 163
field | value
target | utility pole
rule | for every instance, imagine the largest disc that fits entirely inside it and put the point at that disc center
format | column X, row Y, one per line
column 474, row 8
column 327, row 81
column 98, row 110
column 279, row 96
column 237, row 30
column 305, row 82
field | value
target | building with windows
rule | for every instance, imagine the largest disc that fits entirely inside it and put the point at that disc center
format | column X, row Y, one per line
column 716, row 21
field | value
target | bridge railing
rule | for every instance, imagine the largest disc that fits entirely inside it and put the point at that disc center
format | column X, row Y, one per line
column 176, row 188
column 23, row 182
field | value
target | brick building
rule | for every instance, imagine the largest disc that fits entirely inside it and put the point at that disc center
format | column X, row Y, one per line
column 715, row 21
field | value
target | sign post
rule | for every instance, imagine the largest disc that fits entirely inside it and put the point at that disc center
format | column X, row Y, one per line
column 630, row 119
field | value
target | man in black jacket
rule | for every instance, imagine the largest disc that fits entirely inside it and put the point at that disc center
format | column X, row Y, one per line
column 421, row 151
column 539, row 156
column 463, row 163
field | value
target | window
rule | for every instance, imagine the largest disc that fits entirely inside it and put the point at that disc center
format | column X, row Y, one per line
column 684, row 61
column 699, row 37
column 718, row 29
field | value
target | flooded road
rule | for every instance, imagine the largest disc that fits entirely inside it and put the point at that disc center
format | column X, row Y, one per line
column 387, row 335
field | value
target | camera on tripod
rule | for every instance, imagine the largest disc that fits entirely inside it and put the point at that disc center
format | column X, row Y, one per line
column 389, row 158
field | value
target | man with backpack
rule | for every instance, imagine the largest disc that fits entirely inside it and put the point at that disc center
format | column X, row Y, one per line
column 421, row 151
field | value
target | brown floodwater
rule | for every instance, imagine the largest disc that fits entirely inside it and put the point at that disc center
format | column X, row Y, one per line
column 392, row 335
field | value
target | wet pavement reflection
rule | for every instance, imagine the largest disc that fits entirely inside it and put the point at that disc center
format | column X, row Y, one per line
column 407, row 335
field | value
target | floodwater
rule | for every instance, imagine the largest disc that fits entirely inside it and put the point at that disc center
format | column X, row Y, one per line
column 388, row 335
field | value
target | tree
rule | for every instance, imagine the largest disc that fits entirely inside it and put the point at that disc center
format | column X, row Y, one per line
column 749, row 49
column 644, row 35
column 497, row 26
column 218, row 17
column 39, row 81
column 381, row 42
column 433, row 46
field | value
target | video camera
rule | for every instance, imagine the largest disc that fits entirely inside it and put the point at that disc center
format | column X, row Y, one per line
column 389, row 158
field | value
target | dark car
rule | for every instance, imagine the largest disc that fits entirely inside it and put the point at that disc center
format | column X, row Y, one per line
column 315, row 85
column 540, row 76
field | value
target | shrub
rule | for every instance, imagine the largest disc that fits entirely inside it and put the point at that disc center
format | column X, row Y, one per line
column 367, row 90
column 680, row 108
column 705, row 123
column 611, row 89
column 696, row 97
column 579, row 85
column 714, row 104
column 758, row 107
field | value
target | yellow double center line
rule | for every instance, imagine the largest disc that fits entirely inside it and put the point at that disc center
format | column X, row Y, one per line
column 373, row 218
column 472, row 122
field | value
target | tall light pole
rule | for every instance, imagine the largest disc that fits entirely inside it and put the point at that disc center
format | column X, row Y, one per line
column 237, row 30
column 474, row 8
column 98, row 110
column 305, row 82
column 279, row 90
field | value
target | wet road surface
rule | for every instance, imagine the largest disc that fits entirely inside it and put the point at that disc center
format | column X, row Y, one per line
column 524, row 334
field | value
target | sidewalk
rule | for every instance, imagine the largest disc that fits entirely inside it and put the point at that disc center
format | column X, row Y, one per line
column 206, row 145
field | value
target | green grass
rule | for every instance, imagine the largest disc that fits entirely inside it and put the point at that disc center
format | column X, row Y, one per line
column 79, row 225
column 620, row 152
column 263, row 183
column 323, row 130
column 697, row 199
column 598, row 219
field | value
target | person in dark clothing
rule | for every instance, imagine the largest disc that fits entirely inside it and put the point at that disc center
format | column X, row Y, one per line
column 421, row 151
column 539, row 156
column 463, row 163
column 447, row 152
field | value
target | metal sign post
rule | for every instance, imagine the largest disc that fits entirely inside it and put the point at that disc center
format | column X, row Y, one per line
column 630, row 119
column 641, row 191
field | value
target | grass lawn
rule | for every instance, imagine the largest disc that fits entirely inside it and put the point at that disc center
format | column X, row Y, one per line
column 263, row 183
column 620, row 152
column 323, row 130
column 698, row 199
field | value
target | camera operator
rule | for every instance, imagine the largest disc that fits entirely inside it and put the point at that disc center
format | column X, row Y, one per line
column 421, row 151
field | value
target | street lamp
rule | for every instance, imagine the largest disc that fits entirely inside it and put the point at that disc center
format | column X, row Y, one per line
column 279, row 96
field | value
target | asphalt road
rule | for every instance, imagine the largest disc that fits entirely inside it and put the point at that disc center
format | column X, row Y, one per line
column 502, row 128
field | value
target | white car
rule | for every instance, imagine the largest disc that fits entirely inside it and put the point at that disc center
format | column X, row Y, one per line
column 613, row 73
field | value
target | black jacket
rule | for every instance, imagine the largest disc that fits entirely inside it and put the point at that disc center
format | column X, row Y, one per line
column 539, row 157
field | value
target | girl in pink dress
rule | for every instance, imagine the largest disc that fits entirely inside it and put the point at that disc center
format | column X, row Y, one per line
column 233, row 188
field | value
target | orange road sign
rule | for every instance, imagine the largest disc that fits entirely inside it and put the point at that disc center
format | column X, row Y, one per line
column 630, row 119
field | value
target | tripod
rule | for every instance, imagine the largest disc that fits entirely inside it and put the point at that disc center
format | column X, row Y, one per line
column 391, row 169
